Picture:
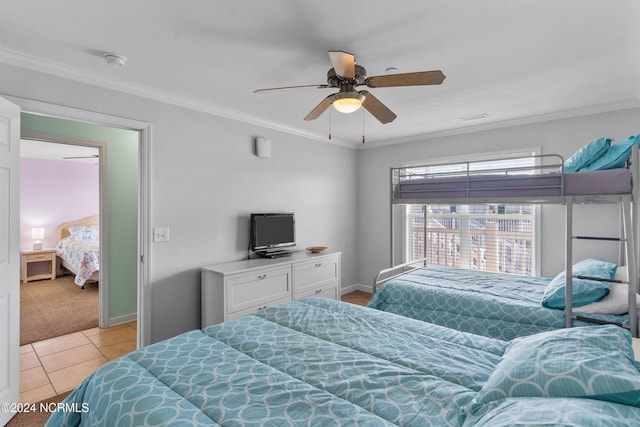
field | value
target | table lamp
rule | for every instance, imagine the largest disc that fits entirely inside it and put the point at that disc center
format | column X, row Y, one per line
column 37, row 234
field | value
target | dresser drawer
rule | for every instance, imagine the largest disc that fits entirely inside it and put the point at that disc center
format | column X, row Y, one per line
column 254, row 310
column 329, row 291
column 45, row 256
column 308, row 275
column 250, row 290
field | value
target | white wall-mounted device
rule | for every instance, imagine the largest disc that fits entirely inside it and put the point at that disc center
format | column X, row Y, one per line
column 263, row 147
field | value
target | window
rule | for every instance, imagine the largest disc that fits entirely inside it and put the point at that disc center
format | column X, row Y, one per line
column 488, row 237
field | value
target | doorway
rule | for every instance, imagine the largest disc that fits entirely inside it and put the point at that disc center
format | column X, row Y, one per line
column 143, row 133
column 119, row 205
column 60, row 198
column 10, row 265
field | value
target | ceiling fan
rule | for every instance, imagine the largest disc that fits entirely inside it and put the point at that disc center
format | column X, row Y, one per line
column 92, row 156
column 346, row 76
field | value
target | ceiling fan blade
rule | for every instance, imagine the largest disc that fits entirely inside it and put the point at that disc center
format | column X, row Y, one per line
column 344, row 63
column 275, row 89
column 377, row 108
column 435, row 77
column 324, row 104
column 93, row 156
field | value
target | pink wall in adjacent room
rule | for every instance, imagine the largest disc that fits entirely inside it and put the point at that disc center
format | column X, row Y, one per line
column 53, row 192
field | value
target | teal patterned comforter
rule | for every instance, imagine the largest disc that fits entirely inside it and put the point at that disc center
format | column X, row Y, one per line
column 501, row 306
column 315, row 362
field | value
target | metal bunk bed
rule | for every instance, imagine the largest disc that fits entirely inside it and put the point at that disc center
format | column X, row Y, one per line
column 544, row 183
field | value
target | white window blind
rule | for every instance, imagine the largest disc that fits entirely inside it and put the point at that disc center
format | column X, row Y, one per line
column 487, row 237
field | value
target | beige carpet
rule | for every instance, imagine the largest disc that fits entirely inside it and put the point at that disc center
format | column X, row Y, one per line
column 50, row 308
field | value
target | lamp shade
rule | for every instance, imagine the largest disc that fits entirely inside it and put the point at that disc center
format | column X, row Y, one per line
column 348, row 102
column 37, row 233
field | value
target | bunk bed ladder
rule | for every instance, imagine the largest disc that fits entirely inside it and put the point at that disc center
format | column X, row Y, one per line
column 630, row 261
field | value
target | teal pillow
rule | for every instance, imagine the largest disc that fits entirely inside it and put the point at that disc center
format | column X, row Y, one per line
column 583, row 291
column 593, row 362
column 615, row 157
column 565, row 412
column 587, row 154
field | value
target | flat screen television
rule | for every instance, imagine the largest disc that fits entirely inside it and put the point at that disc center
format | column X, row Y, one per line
column 271, row 232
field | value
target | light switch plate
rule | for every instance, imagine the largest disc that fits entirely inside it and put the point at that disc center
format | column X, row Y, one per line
column 161, row 234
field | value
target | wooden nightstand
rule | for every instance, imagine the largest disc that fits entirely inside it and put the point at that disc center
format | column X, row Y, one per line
column 44, row 255
column 635, row 342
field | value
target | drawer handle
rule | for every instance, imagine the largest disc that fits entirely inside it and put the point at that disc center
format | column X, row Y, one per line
column 262, row 308
column 318, row 291
column 262, row 276
column 318, row 264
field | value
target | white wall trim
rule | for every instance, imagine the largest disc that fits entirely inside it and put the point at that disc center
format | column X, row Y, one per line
column 144, row 239
column 356, row 287
column 22, row 60
column 125, row 318
column 541, row 118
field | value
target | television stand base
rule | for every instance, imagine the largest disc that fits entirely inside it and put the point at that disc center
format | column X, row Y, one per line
column 274, row 254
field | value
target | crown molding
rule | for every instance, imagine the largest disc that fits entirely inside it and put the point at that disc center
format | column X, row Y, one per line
column 540, row 118
column 57, row 69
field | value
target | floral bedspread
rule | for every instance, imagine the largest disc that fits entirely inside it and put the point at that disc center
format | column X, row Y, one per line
column 82, row 254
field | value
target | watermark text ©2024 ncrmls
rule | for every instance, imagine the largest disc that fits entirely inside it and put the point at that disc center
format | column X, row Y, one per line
column 44, row 407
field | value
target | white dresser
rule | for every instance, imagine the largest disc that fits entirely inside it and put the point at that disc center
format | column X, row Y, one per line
column 238, row 288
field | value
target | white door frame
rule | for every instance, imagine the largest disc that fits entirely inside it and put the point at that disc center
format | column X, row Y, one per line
column 144, row 199
column 9, row 259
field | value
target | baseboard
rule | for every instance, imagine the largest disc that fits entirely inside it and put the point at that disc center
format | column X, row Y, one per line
column 356, row 287
column 126, row 318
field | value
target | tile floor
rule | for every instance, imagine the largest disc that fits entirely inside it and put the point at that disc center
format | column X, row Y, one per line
column 56, row 365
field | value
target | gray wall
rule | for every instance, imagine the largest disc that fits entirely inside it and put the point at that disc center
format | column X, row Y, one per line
column 206, row 183
column 205, row 180
column 558, row 136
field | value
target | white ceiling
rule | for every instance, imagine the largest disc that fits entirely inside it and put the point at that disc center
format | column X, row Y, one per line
column 53, row 151
column 517, row 61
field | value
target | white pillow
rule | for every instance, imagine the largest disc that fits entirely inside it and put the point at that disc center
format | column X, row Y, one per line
column 617, row 300
column 621, row 273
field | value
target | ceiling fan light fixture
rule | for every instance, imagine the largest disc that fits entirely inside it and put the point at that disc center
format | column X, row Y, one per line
column 348, row 102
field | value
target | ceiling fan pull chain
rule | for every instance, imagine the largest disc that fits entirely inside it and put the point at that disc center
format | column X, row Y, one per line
column 363, row 125
column 330, row 136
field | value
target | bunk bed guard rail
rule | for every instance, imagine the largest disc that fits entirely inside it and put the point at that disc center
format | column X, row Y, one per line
column 459, row 181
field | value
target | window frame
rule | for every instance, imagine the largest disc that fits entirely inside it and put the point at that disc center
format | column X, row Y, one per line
column 536, row 246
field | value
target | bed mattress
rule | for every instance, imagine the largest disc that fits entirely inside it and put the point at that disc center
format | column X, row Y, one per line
column 605, row 182
column 502, row 306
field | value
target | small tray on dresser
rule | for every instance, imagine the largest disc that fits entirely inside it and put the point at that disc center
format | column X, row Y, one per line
column 317, row 249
